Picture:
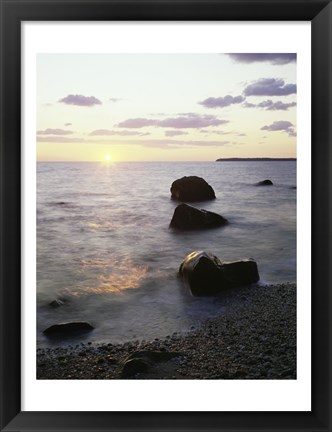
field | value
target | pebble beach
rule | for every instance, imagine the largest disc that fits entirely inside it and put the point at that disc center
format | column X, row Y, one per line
column 254, row 338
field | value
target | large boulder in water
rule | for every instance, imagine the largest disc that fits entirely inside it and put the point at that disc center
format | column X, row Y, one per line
column 266, row 182
column 242, row 272
column 192, row 189
column 66, row 329
column 202, row 271
column 206, row 275
column 187, row 217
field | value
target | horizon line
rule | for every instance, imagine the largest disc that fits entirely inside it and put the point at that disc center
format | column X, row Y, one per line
column 167, row 161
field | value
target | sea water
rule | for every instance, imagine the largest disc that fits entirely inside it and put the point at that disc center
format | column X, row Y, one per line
column 104, row 245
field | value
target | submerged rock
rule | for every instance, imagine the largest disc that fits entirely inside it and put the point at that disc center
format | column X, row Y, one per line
column 67, row 328
column 265, row 183
column 187, row 217
column 56, row 303
column 192, row 188
column 206, row 275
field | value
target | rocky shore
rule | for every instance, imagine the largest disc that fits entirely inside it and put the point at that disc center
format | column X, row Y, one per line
column 254, row 338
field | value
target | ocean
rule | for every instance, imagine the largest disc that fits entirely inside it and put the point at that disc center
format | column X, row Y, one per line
column 105, row 248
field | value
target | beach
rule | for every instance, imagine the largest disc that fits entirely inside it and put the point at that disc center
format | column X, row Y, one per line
column 254, row 338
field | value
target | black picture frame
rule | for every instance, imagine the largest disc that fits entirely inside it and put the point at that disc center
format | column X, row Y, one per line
column 13, row 12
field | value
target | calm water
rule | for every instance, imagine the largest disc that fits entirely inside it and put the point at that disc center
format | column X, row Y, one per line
column 105, row 246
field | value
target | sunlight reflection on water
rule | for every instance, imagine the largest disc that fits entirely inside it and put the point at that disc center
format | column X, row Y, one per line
column 116, row 276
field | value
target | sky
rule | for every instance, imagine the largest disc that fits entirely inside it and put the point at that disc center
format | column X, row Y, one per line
column 165, row 107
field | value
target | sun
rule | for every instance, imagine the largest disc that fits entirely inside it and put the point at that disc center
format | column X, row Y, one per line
column 108, row 158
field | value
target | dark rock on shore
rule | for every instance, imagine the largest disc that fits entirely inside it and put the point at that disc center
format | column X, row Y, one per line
column 67, row 328
column 206, row 275
column 265, row 183
column 192, row 188
column 134, row 366
column 187, row 217
column 142, row 361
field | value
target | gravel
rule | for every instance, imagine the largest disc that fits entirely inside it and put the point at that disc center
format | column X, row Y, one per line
column 254, row 338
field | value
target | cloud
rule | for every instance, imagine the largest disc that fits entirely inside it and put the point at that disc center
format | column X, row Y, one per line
column 269, row 105
column 137, row 123
column 54, row 132
column 170, row 143
column 291, row 132
column 59, row 139
column 269, row 87
column 278, row 125
column 219, row 132
column 221, row 102
column 115, row 99
column 281, row 125
column 275, row 106
column 166, row 143
column 68, row 124
column 80, row 100
column 107, row 132
column 171, row 133
column 248, row 105
column 194, row 121
column 184, row 121
column 273, row 58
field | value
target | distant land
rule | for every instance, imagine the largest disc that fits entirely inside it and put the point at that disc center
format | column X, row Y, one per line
column 264, row 159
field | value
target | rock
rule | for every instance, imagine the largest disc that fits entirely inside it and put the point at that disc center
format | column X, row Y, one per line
column 202, row 271
column 265, row 183
column 56, row 303
column 142, row 361
column 134, row 366
column 155, row 356
column 206, row 275
column 67, row 328
column 192, row 188
column 243, row 272
column 187, row 217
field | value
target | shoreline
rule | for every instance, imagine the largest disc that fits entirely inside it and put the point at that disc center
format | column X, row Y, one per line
column 254, row 338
